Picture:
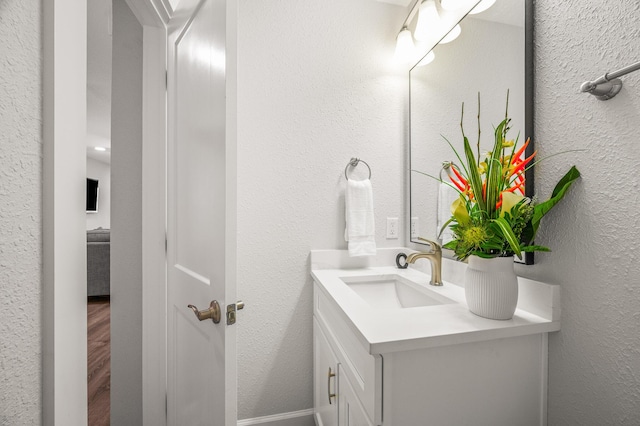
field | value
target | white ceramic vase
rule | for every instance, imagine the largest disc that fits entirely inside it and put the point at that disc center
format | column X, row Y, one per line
column 491, row 287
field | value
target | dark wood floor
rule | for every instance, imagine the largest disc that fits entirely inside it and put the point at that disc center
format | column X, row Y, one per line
column 99, row 360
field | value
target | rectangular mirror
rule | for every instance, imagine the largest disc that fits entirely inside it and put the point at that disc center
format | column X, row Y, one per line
column 493, row 54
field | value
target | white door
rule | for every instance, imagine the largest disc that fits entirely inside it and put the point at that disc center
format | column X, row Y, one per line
column 201, row 377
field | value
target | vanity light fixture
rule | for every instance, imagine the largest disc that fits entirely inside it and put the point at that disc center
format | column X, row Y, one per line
column 429, row 22
column 429, row 57
column 405, row 49
column 428, row 19
column 451, row 4
column 453, row 34
column 100, row 148
column 454, row 4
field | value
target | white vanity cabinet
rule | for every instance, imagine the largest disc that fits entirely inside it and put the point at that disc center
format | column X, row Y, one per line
column 335, row 400
column 351, row 411
column 495, row 382
column 432, row 363
column 325, row 380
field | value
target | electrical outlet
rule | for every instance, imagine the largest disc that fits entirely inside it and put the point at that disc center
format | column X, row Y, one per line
column 414, row 227
column 392, row 228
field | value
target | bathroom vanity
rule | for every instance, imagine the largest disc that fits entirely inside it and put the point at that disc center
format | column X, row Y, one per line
column 391, row 350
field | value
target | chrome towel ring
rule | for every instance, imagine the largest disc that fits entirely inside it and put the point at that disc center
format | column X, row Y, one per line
column 354, row 163
column 446, row 166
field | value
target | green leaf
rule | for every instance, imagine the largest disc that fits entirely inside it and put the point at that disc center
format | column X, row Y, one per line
column 565, row 182
column 439, row 180
column 491, row 245
column 451, row 219
column 508, row 234
column 451, row 245
column 531, row 249
column 495, row 177
column 543, row 208
column 464, row 167
column 483, row 254
column 474, row 176
column 494, row 185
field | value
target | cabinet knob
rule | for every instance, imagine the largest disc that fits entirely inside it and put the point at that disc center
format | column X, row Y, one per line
column 329, row 376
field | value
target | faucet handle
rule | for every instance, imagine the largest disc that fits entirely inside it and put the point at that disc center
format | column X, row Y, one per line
column 404, row 264
column 434, row 246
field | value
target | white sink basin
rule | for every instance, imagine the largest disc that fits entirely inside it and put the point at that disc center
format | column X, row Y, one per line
column 393, row 292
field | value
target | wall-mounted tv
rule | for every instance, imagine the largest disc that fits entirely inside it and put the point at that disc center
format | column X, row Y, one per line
column 92, row 195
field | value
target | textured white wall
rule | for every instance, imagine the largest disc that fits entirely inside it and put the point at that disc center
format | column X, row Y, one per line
column 316, row 86
column 101, row 171
column 594, row 361
column 20, row 212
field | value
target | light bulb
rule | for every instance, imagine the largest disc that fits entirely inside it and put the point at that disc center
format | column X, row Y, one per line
column 452, row 4
column 456, row 4
column 453, row 34
column 428, row 19
column 405, row 48
column 427, row 59
column 482, row 6
column 100, row 148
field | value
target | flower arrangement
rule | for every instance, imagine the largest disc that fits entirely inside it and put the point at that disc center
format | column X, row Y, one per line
column 492, row 216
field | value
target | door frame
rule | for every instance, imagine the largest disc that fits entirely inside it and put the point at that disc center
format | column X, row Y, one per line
column 153, row 18
column 64, row 319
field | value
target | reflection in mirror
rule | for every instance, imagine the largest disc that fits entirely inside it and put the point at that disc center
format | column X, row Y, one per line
column 490, row 57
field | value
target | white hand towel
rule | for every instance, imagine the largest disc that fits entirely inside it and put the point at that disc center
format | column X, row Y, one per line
column 360, row 231
column 446, row 196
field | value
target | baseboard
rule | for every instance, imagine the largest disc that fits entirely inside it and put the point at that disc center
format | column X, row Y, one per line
column 294, row 418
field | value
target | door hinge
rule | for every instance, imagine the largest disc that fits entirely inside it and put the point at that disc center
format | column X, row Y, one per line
column 166, row 79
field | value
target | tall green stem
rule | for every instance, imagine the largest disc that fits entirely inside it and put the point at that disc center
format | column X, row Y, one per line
column 478, row 144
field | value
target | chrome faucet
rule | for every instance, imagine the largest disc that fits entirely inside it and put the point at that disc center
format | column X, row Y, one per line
column 435, row 258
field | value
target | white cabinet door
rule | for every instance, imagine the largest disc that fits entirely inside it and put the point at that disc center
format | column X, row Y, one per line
column 325, row 380
column 351, row 411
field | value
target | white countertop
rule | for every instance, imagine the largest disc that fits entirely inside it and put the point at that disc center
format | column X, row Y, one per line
column 390, row 330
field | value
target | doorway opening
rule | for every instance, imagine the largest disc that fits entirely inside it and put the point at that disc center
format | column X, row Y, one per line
column 98, row 208
column 114, row 218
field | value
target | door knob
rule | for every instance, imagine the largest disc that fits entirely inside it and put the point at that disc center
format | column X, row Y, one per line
column 212, row 313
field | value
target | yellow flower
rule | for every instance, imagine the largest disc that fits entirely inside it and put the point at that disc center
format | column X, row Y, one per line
column 474, row 236
column 508, row 144
column 482, row 168
column 459, row 211
column 509, row 199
